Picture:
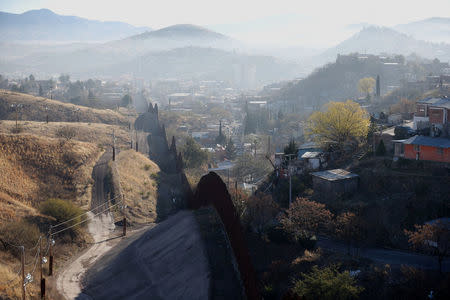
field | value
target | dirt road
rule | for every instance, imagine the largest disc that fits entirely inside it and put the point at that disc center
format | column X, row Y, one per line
column 68, row 281
column 100, row 227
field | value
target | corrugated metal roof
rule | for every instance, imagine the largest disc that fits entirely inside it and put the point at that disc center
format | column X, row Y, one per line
column 428, row 141
column 311, row 154
column 336, row 174
column 437, row 102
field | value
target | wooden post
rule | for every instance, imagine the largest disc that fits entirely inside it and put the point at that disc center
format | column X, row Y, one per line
column 40, row 269
column 50, row 260
column 124, row 226
column 23, row 272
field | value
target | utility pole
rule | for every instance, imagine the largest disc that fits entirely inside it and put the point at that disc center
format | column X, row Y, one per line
column 23, row 272
column 114, row 146
column 124, row 218
column 136, row 142
column 50, row 262
column 40, row 269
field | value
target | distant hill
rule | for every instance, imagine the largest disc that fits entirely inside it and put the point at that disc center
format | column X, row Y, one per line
column 432, row 29
column 180, row 31
column 176, row 36
column 379, row 40
column 208, row 63
column 45, row 25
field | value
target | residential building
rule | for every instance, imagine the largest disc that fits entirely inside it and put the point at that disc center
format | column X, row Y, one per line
column 332, row 182
column 433, row 113
column 424, row 148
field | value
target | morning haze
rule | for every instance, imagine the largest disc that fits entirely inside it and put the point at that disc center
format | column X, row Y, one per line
column 224, row 150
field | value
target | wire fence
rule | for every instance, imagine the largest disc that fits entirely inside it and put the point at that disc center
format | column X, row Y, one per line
column 34, row 262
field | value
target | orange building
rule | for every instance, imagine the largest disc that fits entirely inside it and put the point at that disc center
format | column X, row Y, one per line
column 424, row 148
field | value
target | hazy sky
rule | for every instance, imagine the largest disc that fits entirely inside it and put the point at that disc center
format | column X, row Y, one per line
column 296, row 22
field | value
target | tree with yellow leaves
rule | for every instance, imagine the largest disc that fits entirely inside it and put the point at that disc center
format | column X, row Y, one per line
column 365, row 86
column 341, row 122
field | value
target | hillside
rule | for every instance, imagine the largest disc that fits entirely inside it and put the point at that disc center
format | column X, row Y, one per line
column 45, row 25
column 378, row 40
column 181, row 31
column 433, row 29
column 34, row 169
column 34, row 109
column 138, row 179
column 209, row 64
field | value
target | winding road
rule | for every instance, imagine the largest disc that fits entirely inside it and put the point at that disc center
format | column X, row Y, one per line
column 100, row 227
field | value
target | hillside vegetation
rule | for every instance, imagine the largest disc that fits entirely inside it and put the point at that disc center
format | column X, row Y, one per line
column 34, row 169
column 96, row 133
column 37, row 109
column 139, row 178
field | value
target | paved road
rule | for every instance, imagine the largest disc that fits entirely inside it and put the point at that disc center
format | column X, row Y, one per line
column 387, row 256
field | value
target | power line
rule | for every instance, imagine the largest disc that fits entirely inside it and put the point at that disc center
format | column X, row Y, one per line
column 62, row 223
column 85, row 220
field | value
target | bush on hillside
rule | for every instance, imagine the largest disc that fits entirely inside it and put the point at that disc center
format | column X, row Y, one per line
column 66, row 132
column 327, row 283
column 62, row 211
column 381, row 149
column 18, row 233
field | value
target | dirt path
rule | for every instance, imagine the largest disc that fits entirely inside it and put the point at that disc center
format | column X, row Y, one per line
column 68, row 281
column 100, row 227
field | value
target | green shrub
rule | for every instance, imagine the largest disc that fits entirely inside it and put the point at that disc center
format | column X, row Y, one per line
column 327, row 283
column 278, row 235
column 62, row 211
column 146, row 167
column 381, row 149
column 18, row 233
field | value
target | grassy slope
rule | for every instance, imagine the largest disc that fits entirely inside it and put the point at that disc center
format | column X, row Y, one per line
column 34, row 108
column 139, row 188
column 33, row 169
column 96, row 133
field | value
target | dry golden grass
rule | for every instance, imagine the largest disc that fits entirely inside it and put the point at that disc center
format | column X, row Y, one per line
column 35, row 109
column 34, row 169
column 139, row 188
column 96, row 133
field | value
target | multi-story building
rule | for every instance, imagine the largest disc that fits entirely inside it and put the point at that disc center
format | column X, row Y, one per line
column 433, row 113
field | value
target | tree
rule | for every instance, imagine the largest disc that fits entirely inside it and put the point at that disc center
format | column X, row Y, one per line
column 381, row 149
column 64, row 78
column 41, row 92
column 327, row 283
column 221, row 138
column 306, row 217
column 291, row 148
column 261, row 210
column 348, row 227
column 341, row 122
column 126, row 100
column 432, row 238
column 250, row 167
column 378, row 88
column 230, row 150
column 193, row 156
column 66, row 132
column 404, row 106
column 365, row 86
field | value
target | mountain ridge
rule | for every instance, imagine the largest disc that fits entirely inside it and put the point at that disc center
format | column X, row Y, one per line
column 46, row 25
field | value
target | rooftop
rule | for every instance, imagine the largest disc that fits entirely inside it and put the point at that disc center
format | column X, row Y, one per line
column 311, row 154
column 334, row 175
column 428, row 141
column 437, row 102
